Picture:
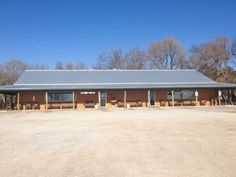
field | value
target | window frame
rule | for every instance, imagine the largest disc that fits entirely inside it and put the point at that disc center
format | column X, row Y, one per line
column 60, row 96
column 181, row 93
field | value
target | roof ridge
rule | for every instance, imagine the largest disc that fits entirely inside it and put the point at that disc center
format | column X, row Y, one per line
column 114, row 70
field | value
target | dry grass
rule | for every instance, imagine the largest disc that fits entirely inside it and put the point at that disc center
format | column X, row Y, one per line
column 119, row 143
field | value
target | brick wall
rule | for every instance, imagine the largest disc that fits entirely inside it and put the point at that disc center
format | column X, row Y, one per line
column 207, row 94
column 82, row 98
column 28, row 97
column 118, row 95
column 135, row 95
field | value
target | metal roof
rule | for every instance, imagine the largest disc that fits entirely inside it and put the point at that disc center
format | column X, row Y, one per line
column 110, row 76
column 112, row 79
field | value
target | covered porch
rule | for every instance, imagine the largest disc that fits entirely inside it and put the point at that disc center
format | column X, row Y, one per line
column 126, row 98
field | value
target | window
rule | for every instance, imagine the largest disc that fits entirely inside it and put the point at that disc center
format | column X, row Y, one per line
column 182, row 95
column 60, row 97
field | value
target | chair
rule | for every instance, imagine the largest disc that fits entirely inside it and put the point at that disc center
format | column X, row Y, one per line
column 162, row 102
column 28, row 106
column 139, row 103
column 35, row 105
column 120, row 104
column 113, row 101
column 89, row 104
column 8, row 106
column 202, row 102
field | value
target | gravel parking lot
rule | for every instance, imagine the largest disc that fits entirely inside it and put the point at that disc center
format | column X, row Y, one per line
column 166, row 142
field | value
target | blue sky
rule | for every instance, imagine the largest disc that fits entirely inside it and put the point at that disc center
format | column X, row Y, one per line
column 45, row 31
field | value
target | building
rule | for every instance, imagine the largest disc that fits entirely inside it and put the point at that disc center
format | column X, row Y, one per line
column 78, row 89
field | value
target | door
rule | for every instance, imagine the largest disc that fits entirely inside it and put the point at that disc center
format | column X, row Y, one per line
column 103, row 99
column 152, row 98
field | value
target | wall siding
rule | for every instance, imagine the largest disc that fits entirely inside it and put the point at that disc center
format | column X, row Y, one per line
column 132, row 96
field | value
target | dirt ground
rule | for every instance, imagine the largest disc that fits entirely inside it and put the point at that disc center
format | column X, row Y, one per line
column 180, row 142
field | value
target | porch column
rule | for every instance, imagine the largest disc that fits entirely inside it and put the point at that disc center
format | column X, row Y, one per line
column 99, row 99
column 5, row 104
column 219, row 96
column 125, row 95
column 172, row 97
column 18, row 101
column 228, row 100
column 11, row 103
column 196, row 96
column 46, row 100
column 148, row 103
column 73, row 100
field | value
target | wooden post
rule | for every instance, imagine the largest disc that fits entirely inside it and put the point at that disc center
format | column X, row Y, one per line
column 219, row 96
column 125, row 95
column 228, row 98
column 18, row 101
column 5, row 104
column 11, row 103
column 148, row 104
column 172, row 97
column 73, row 100
column 46, row 100
column 196, row 96
column 99, row 99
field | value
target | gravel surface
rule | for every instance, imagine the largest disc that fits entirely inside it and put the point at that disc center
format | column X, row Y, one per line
column 167, row 142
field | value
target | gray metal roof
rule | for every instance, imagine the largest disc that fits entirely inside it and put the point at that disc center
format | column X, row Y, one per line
column 112, row 79
column 110, row 76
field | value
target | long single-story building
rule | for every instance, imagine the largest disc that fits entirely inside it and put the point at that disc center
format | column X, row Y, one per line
column 78, row 89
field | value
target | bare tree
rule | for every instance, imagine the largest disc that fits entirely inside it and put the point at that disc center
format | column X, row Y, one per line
column 101, row 61
column 59, row 65
column 212, row 58
column 167, row 54
column 81, row 65
column 69, row 66
column 2, row 75
column 135, row 59
column 233, row 49
column 156, row 53
column 233, row 53
column 111, row 60
column 12, row 70
column 38, row 66
column 116, row 60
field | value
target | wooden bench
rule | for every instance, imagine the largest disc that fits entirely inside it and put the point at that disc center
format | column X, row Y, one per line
column 176, row 103
column 188, row 103
column 35, row 105
column 28, row 106
column 179, row 103
column 54, row 106
column 89, row 104
column 203, row 102
column 162, row 103
column 120, row 104
column 132, row 103
column 135, row 103
column 67, row 105
column 113, row 102
column 139, row 104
